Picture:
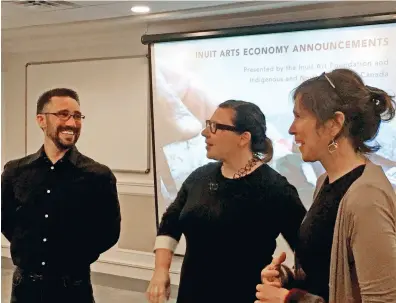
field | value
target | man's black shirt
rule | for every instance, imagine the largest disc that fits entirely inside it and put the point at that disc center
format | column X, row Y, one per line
column 58, row 217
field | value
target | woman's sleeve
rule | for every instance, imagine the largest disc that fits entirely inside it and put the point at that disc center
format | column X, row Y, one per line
column 292, row 212
column 169, row 231
column 295, row 278
column 300, row 296
column 373, row 243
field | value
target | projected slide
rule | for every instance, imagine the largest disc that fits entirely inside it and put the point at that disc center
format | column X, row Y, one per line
column 191, row 78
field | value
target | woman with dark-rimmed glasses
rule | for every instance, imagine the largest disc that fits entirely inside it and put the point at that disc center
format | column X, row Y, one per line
column 229, row 212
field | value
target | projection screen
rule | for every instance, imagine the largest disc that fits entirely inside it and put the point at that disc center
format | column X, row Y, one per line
column 192, row 73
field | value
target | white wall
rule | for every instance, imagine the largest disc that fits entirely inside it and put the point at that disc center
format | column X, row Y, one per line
column 121, row 38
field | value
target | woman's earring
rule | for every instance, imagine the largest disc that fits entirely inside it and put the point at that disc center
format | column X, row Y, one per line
column 332, row 147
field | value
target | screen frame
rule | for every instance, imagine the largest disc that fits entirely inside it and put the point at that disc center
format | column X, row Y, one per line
column 247, row 30
column 272, row 28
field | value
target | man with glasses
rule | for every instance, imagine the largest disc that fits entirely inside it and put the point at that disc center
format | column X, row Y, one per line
column 59, row 209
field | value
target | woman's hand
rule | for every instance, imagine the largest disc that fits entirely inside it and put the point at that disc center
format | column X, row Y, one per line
column 270, row 294
column 158, row 290
column 271, row 273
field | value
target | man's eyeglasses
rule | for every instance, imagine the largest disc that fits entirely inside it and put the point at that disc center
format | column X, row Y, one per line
column 214, row 126
column 65, row 115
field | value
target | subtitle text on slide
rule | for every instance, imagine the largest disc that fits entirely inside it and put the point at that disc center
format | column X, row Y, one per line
column 302, row 72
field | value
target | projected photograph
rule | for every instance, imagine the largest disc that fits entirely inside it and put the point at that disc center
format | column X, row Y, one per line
column 190, row 78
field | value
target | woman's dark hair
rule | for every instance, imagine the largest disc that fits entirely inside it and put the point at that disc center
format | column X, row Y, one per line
column 249, row 118
column 343, row 90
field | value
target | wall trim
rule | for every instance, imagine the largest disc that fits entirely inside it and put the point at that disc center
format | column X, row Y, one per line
column 140, row 194
column 135, row 189
column 124, row 263
column 136, row 184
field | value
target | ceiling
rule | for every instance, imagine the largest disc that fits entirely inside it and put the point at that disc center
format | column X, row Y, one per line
column 20, row 14
column 16, row 14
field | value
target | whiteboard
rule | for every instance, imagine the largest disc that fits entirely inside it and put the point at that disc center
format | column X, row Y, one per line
column 114, row 97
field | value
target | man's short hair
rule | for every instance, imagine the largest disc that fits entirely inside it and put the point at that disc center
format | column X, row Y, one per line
column 45, row 98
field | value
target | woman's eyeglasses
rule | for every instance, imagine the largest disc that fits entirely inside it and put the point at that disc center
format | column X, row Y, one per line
column 214, row 126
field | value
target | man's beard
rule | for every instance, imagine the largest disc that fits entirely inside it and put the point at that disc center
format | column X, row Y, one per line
column 61, row 144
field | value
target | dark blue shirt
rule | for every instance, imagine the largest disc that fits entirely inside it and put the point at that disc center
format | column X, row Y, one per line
column 58, row 217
